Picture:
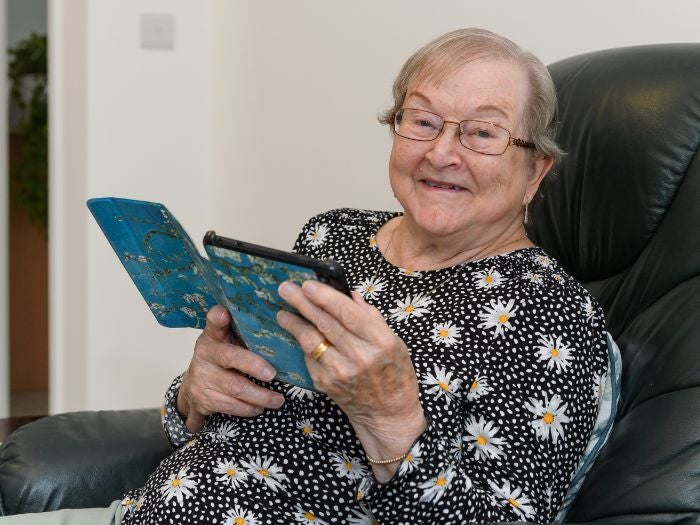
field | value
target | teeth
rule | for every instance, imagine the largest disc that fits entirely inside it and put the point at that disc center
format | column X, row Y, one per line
column 434, row 185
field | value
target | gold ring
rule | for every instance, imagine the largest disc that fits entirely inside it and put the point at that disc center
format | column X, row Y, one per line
column 318, row 351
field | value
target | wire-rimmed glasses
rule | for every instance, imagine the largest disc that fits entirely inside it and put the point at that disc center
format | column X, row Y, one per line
column 476, row 135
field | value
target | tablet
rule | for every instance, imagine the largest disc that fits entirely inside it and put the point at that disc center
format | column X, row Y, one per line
column 249, row 276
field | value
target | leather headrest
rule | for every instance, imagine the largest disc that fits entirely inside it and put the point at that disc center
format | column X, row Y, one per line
column 630, row 125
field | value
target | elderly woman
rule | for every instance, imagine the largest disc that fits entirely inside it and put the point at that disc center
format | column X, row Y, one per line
column 456, row 384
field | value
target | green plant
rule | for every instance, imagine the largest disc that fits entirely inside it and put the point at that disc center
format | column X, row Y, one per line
column 29, row 170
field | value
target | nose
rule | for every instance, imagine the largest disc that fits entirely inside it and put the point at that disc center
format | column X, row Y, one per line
column 446, row 147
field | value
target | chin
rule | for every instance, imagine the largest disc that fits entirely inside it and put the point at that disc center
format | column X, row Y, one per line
column 440, row 223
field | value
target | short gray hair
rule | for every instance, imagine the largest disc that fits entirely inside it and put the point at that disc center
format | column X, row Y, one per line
column 450, row 51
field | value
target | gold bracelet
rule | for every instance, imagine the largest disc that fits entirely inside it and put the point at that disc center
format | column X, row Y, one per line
column 386, row 461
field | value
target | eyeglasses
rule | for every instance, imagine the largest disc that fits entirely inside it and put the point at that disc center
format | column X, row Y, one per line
column 477, row 135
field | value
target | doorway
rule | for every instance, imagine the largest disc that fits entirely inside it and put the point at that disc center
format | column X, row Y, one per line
column 27, row 226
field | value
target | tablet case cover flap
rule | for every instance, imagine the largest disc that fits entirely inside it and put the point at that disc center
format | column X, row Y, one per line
column 179, row 285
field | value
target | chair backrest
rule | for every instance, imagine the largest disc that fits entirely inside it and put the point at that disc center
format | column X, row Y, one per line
column 623, row 216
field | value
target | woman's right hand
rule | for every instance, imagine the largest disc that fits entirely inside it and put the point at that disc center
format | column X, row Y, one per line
column 215, row 381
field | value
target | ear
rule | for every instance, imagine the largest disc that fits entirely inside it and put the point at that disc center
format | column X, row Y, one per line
column 540, row 168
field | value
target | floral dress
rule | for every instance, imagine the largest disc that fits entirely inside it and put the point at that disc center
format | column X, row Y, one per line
column 509, row 352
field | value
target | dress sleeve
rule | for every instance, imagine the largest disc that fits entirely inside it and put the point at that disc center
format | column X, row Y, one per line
column 508, row 455
column 174, row 426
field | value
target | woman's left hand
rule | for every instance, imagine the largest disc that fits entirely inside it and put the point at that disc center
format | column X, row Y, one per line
column 367, row 369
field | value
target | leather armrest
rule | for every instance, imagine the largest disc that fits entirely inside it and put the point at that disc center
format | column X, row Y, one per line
column 79, row 459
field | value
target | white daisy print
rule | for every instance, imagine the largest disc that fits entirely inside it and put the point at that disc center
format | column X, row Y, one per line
column 479, row 387
column 370, row 288
column 362, row 517
column 599, row 384
column 446, row 333
column 264, row 470
column 457, row 447
column 372, row 241
column 127, row 504
column 434, row 488
column 347, row 467
column 409, row 272
column 482, row 439
column 239, row 516
column 498, row 317
column 551, row 415
column 225, row 431
column 416, row 307
column 412, row 460
column 231, row 474
column 558, row 278
column 514, row 498
column 555, row 352
column 534, row 278
column 307, row 428
column 442, row 384
column 543, row 261
column 302, row 515
column 488, row 278
column 317, row 236
column 362, row 488
column 178, row 486
column 296, row 392
column 587, row 307
column 550, row 495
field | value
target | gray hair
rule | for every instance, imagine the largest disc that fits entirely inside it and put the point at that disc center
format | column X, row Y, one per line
column 442, row 56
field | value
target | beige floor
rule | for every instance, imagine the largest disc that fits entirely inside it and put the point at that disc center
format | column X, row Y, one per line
column 29, row 403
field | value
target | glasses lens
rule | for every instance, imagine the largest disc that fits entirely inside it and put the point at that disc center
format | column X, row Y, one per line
column 484, row 137
column 417, row 125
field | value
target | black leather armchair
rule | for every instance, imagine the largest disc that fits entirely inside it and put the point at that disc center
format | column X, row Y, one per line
column 623, row 215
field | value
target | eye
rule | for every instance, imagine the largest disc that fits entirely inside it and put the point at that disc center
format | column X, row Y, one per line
column 476, row 130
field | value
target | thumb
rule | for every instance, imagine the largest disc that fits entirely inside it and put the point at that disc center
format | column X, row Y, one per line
column 217, row 327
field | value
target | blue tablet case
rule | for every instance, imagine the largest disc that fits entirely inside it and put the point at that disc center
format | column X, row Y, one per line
column 179, row 285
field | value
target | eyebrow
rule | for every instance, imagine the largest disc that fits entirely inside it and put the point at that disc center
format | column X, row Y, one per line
column 484, row 108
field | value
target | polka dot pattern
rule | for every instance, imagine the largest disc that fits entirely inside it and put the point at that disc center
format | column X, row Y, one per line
column 507, row 351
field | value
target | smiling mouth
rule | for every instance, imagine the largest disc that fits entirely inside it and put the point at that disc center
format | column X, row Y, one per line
column 439, row 186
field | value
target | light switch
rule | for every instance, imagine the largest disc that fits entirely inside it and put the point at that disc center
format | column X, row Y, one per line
column 157, row 31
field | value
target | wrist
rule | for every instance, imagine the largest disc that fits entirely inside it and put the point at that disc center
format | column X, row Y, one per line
column 388, row 442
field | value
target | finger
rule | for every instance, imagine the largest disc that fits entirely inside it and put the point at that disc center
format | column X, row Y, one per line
column 232, row 356
column 217, row 402
column 217, row 391
column 218, row 324
column 307, row 336
column 356, row 317
column 323, row 321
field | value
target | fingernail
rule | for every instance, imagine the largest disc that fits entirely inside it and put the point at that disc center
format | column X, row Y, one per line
column 282, row 318
column 310, row 287
column 277, row 401
column 268, row 373
column 284, row 289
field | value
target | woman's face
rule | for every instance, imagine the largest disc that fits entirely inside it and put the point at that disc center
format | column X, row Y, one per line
column 448, row 190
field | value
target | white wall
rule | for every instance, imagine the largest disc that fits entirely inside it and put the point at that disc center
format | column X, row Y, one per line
column 127, row 122
column 330, row 65
column 264, row 114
